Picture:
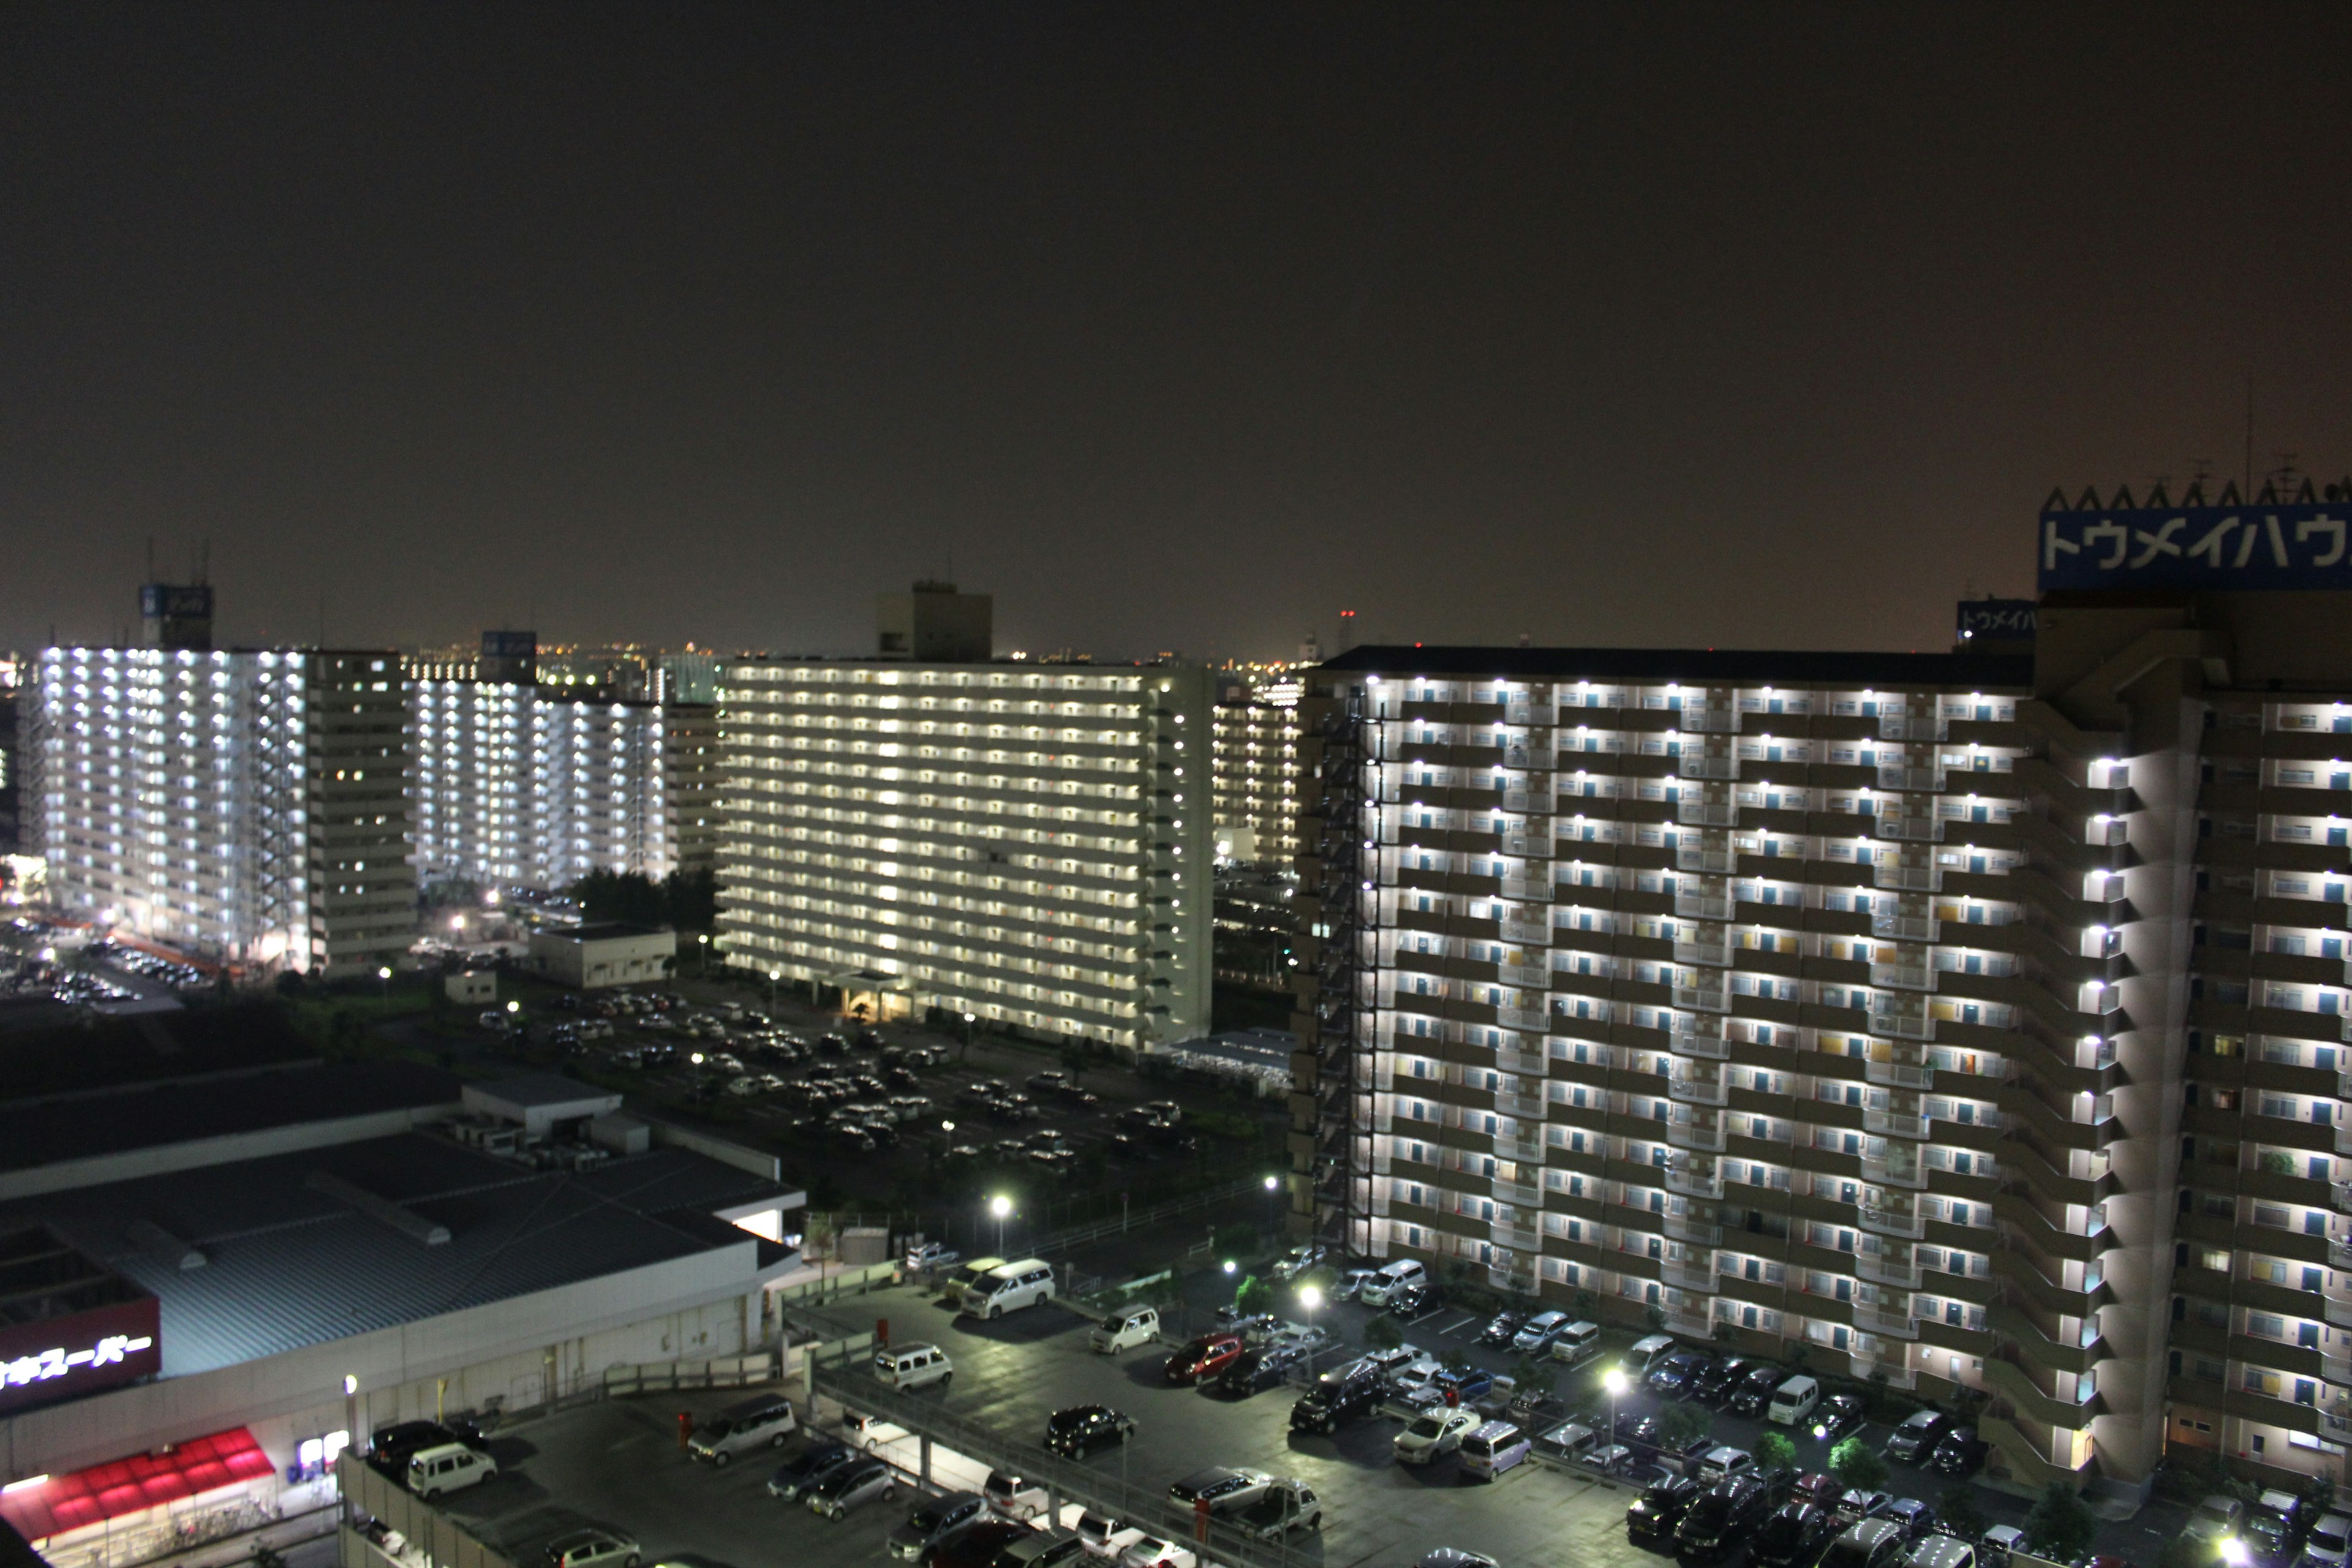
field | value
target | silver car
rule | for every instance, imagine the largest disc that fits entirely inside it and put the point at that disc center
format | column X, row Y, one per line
column 934, row 1523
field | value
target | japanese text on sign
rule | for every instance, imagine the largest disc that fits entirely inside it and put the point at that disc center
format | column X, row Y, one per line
column 2258, row 547
column 46, row 1365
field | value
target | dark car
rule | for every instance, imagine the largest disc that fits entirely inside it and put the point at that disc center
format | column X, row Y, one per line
column 1661, row 1506
column 1082, row 1428
column 1205, row 1357
column 1330, row 1404
column 976, row 1546
column 1672, row 1378
column 1915, row 1517
column 392, row 1446
column 1793, row 1536
column 1717, row 1379
column 1411, row 1301
column 1961, row 1453
column 1222, row 1489
column 1642, row 1431
column 1753, row 1390
column 1917, row 1436
column 935, row 1522
column 1821, row 1490
column 1500, row 1328
column 1839, row 1414
column 1723, row 1517
column 1262, row 1367
column 796, row 1476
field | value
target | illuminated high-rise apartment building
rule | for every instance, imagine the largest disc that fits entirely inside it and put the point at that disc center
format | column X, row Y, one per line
column 244, row 805
column 1976, row 1024
column 1254, row 763
column 1028, row 845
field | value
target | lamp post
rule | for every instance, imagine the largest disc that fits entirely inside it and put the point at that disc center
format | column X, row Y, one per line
column 1310, row 1297
column 773, row 974
column 1001, row 1207
column 1272, row 1186
column 968, row 1020
column 385, row 975
column 702, row 962
column 1614, row 1381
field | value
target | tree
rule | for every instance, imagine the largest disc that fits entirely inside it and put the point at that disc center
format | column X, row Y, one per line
column 1253, row 1296
column 1775, row 1452
column 2060, row 1525
column 1857, row 1464
column 1381, row 1333
column 627, row 897
column 1681, row 1423
column 1533, row 1378
column 1585, row 1303
column 1960, row 1513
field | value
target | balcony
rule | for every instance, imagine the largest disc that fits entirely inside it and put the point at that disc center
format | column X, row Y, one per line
column 1689, row 1276
column 1896, row 1374
column 1881, row 1270
column 1905, row 928
column 1701, row 906
column 1715, row 953
column 1523, row 1105
column 1533, row 1018
column 1710, row 862
column 1908, row 1224
column 1528, row 846
column 1708, row 721
column 1903, row 1026
column 1527, row 889
column 1908, row 829
column 1899, row 725
column 1532, row 933
column 1694, row 1183
column 1700, row 1000
column 1903, row 977
column 1517, row 1237
column 1707, row 813
column 1895, row 1325
column 1929, row 779
column 1518, row 1193
column 1520, row 1147
column 1695, row 1135
column 2340, row 1313
column 1899, row 1075
column 1703, row 1233
column 1908, row 879
column 2343, row 1191
column 1525, row 1064
column 1894, row 1124
column 1708, row 1043
column 1907, row 1174
column 1691, row 765
column 1699, row 1091
column 1534, row 977
column 2344, row 1139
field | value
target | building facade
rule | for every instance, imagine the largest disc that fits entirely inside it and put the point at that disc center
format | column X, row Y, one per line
column 1029, row 845
column 1255, row 769
column 241, row 805
column 1851, row 1001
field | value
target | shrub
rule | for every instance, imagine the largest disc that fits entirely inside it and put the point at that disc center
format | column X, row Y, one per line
column 2060, row 1525
column 1958, row 1509
column 1857, row 1464
column 1775, row 1452
column 1253, row 1296
column 1381, row 1333
column 1681, row 1423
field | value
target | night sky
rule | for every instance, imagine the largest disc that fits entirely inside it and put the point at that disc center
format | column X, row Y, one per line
column 1177, row 328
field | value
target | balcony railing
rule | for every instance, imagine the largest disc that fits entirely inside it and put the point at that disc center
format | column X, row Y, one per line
column 1699, row 1091
column 1537, row 846
column 1526, row 800
column 1701, row 906
column 1909, row 879
column 1908, row 829
column 1903, row 977
column 1705, row 1233
column 1534, row 976
column 1896, row 1374
column 1521, row 1017
column 1708, row 721
column 2340, row 1313
column 1694, row 1183
column 1929, row 779
column 1894, row 1124
column 1534, row 934
column 1695, row 1135
column 2343, row 1191
column 1703, row 1000
column 1716, row 954
column 1525, row 1105
column 1526, row 1064
column 1517, row 1237
column 1709, row 1045
column 1911, row 1225
column 1903, row 1026
column 1711, row 862
column 1881, row 1270
column 1902, row 726
column 1905, row 928
column 1527, row 889
column 1692, row 765
column 1690, row 1276
column 1908, row 1174
column 1876, row 1320
column 1707, row 813
column 1518, row 1193
column 1899, row 1075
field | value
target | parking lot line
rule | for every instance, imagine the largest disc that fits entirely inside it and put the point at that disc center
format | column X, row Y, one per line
column 1465, row 1317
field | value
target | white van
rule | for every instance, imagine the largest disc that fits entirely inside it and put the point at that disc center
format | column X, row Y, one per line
column 452, row 1466
column 1578, row 1343
column 1793, row 1401
column 911, row 1366
column 967, row 1275
column 1404, row 1271
column 1646, row 1353
column 1124, row 1330
column 765, row 1418
column 1492, row 1449
column 1008, row 1288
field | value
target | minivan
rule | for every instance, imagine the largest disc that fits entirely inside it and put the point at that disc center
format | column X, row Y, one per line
column 967, row 1275
column 450, row 1468
column 912, row 1366
column 1493, row 1448
column 1646, row 1353
column 1009, row 1287
column 1124, row 1330
column 1576, row 1343
column 1793, row 1401
column 1404, row 1271
column 748, row 1423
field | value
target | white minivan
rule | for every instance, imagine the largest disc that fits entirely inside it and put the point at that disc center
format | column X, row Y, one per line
column 911, row 1366
column 450, row 1468
column 1124, row 1330
column 1576, row 1343
column 1404, row 1271
column 1793, row 1401
column 1009, row 1287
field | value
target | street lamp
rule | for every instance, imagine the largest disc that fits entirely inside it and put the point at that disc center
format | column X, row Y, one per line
column 773, row 976
column 2233, row 1552
column 1310, row 1297
column 385, row 975
column 1001, row 1207
column 1273, row 1185
column 1616, row 1383
column 702, row 962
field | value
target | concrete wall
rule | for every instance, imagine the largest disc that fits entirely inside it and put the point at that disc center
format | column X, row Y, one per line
column 69, row 1175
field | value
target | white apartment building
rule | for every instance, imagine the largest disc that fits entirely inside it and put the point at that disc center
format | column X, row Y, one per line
column 1256, row 766
column 244, row 806
column 1029, row 844
column 513, row 784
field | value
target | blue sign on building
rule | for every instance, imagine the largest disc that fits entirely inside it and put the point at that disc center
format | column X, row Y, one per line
column 2005, row 620
column 2263, row 546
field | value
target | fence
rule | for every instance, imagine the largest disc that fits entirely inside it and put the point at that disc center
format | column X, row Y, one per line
column 432, row 1538
column 852, row 1281
column 669, row 1376
column 1219, row 1543
column 205, row 1533
column 1209, row 1197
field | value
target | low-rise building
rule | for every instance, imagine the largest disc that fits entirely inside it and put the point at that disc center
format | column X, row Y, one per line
column 591, row 957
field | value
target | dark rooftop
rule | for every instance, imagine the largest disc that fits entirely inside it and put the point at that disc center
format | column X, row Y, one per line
column 1966, row 672
column 605, row 930
column 151, row 1047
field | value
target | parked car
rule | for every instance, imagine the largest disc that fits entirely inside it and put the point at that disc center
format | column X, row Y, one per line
column 1724, row 1463
column 932, row 1521
column 1411, row 1301
column 1793, row 1537
column 1203, row 1357
column 977, row 1544
column 1263, row 1367
column 1839, row 1414
column 1298, row 1260
column 858, row 1482
column 1754, row 1390
column 1286, row 1504
column 764, row 1420
column 1859, row 1503
column 1672, row 1377
column 1124, row 1329
column 591, row 1548
column 1915, row 1518
column 1433, row 1434
column 1500, row 1328
column 1723, row 1516
column 2329, row 1542
column 1495, row 1447
column 796, row 1476
column 1104, row 1536
column 1052, row 1547
column 1647, row 1353
column 909, row 1367
column 1915, row 1440
column 1940, row 1552
column 1015, row 1497
column 2273, row 1527
column 2214, row 1518
column 1223, row 1490
column 1961, row 1453
column 1660, row 1509
column 1566, row 1443
column 1330, row 1404
column 1156, row 1551
column 1867, row 1544
column 1352, row 1284
column 1535, row 1337
column 1079, row 1430
column 1718, row 1378
column 449, row 1468
column 1793, row 1401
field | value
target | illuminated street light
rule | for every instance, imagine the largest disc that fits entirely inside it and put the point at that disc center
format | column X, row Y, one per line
column 1616, row 1383
column 1001, row 1207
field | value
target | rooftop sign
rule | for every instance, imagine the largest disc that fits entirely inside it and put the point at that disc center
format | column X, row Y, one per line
column 2268, row 545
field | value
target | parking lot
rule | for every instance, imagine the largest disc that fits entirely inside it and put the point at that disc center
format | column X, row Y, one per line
column 618, row 1463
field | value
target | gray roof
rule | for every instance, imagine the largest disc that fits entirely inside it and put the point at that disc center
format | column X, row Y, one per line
column 287, row 1266
column 531, row 1088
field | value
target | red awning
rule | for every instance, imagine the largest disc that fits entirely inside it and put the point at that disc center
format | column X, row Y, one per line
column 126, row 1486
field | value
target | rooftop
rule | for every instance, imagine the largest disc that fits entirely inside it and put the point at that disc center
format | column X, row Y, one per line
column 604, row 930
column 1699, row 666
column 533, row 1089
column 291, row 1260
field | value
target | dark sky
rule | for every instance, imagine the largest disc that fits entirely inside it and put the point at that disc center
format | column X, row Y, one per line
column 1180, row 328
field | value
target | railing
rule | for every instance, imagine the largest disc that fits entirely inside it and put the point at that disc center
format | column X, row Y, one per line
column 1706, row 1000
column 1896, row 1325
column 1519, row 1104
column 1694, row 1183
column 1522, row 1018
column 1903, row 977
column 1693, row 1042
column 1905, row 928
column 1716, row 954
column 1701, row 906
column 1708, row 721
column 1909, row 879
column 1929, row 779
column 1898, row 1075
column 665, row 1377
column 1682, row 1227
column 1527, row 889
column 1901, row 724
column 1689, row 1276
column 1535, row 976
column 1691, row 765
column 1519, row 1194
column 1699, row 1091
column 1895, row 1374
column 1708, row 813
column 1881, row 1270
column 1694, row 1135
column 1911, row 1226
column 439, row 1538
column 1911, row 1175
column 1526, row 1064
column 1534, row 934
column 1904, row 1025
column 1908, row 829
column 1518, row 1238
column 2342, row 1192
column 1708, row 862
column 1894, row 1124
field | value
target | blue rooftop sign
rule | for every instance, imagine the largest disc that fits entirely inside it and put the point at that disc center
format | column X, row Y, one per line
column 2263, row 546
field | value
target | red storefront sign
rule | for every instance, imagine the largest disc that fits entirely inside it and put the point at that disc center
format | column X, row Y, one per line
column 60, row 1358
